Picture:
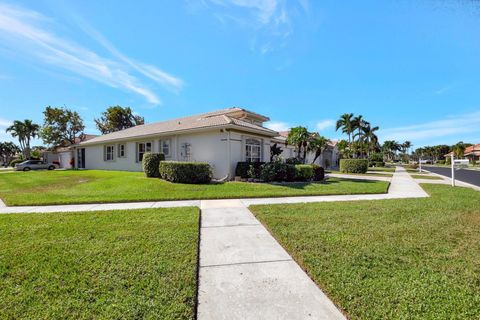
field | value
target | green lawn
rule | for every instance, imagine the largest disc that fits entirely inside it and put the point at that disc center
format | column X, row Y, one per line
column 99, row 265
column 91, row 186
column 371, row 174
column 389, row 259
column 424, row 176
column 384, row 169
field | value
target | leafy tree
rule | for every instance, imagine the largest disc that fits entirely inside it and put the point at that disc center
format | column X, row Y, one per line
column 344, row 149
column 275, row 151
column 299, row 137
column 25, row 131
column 117, row 118
column 317, row 144
column 7, row 151
column 346, row 124
column 61, row 127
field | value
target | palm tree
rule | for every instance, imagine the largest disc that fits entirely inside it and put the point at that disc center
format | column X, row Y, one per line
column 317, row 144
column 369, row 137
column 390, row 147
column 346, row 124
column 407, row 145
column 24, row 131
column 299, row 137
column 358, row 124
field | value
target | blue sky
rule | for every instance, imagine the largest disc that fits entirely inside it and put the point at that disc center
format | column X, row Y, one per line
column 410, row 67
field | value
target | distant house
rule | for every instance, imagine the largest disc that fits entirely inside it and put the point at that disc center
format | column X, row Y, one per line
column 64, row 156
column 222, row 138
column 472, row 152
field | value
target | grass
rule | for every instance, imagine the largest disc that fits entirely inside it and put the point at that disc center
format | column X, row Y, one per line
column 389, row 259
column 91, row 186
column 424, row 176
column 384, row 169
column 105, row 265
column 370, row 174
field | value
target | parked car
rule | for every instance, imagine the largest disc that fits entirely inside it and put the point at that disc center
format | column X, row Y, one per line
column 34, row 165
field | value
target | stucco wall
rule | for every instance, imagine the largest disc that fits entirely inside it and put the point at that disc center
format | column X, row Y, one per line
column 209, row 146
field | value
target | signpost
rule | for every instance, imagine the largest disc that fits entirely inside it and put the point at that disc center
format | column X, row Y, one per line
column 460, row 163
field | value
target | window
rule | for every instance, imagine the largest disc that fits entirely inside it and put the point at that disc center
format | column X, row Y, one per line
column 252, row 150
column 165, row 147
column 121, row 151
column 143, row 147
column 108, row 153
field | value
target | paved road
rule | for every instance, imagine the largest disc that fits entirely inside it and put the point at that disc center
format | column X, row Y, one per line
column 468, row 176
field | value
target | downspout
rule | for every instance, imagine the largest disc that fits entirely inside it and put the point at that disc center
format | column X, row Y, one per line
column 229, row 156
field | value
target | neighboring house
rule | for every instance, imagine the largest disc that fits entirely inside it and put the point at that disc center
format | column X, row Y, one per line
column 63, row 156
column 472, row 152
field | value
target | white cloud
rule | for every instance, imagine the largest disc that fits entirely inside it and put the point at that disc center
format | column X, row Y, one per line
column 324, row 124
column 24, row 31
column 5, row 123
column 444, row 90
column 271, row 20
column 278, row 125
column 463, row 126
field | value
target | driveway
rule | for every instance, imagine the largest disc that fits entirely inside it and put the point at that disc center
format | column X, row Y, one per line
column 465, row 175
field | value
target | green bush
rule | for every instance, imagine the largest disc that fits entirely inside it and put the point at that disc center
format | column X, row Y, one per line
column 277, row 171
column 376, row 157
column 318, row 173
column 448, row 160
column 293, row 161
column 243, row 167
column 15, row 161
column 303, row 172
column 376, row 164
column 354, row 165
column 185, row 172
column 441, row 161
column 151, row 162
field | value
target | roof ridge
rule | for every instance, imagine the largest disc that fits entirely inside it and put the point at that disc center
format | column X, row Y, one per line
column 227, row 118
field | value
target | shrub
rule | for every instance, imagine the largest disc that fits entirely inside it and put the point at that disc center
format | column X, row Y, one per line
column 303, row 172
column 15, row 161
column 353, row 165
column 293, row 161
column 376, row 157
column 448, row 160
column 277, row 171
column 243, row 167
column 441, row 161
column 318, row 173
column 377, row 164
column 185, row 172
column 151, row 162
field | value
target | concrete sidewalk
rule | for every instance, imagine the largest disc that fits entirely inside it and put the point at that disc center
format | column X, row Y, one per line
column 246, row 274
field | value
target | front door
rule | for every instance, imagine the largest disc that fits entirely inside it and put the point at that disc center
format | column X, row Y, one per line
column 81, row 158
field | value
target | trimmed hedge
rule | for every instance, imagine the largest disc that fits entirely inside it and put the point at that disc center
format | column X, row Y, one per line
column 243, row 167
column 354, row 165
column 277, row 171
column 318, row 173
column 303, row 172
column 185, row 172
column 151, row 162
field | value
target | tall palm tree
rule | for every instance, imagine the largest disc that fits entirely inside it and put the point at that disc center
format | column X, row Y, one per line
column 346, row 124
column 407, row 145
column 390, row 147
column 25, row 131
column 299, row 137
column 317, row 144
column 369, row 137
column 358, row 124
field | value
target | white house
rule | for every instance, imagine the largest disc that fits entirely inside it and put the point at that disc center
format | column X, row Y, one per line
column 222, row 138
